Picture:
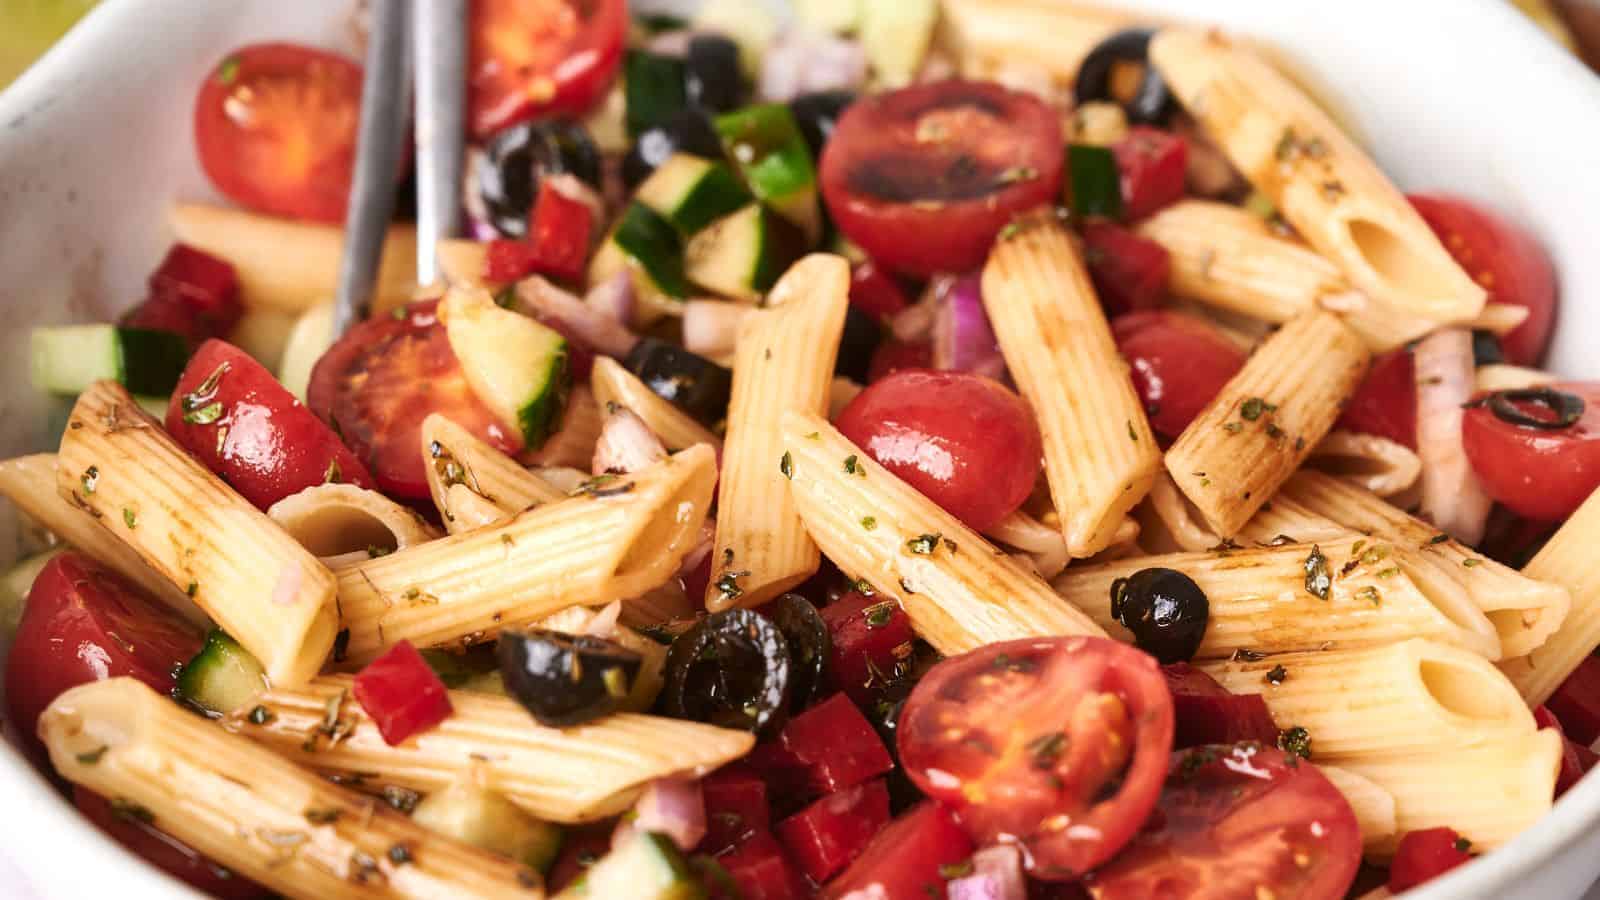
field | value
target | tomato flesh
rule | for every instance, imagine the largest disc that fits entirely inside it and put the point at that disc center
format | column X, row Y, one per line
column 1422, row 856
column 1179, row 363
column 965, row 441
column 903, row 861
column 1239, row 821
column 275, row 127
column 1204, row 712
column 541, row 58
column 401, row 693
column 1129, row 272
column 164, row 851
column 1154, row 164
column 1060, row 744
column 893, row 356
column 736, row 805
column 1537, row 473
column 1385, row 403
column 924, row 177
column 875, row 292
column 378, row 382
column 871, row 641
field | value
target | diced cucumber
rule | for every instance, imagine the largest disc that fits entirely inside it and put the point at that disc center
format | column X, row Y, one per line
column 486, row 683
column 222, row 677
column 765, row 143
column 311, row 337
column 895, row 37
column 487, row 820
column 747, row 23
column 691, row 192
column 647, row 246
column 14, row 587
column 654, row 86
column 646, row 867
column 742, row 255
column 456, row 669
column 69, row 358
column 516, row 366
column 841, row 16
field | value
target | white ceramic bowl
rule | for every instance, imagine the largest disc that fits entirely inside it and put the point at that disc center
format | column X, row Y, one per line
column 95, row 143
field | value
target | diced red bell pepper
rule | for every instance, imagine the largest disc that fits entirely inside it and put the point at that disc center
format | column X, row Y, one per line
column 736, row 805
column 558, row 231
column 402, row 694
column 1385, row 403
column 507, row 260
column 761, row 871
column 192, row 293
column 836, row 744
column 825, row 836
column 875, row 292
column 788, row 780
column 1154, row 164
column 1129, row 272
column 1576, row 759
column 871, row 636
column 1425, row 855
column 1576, row 703
column 1204, row 712
column 903, row 861
column 892, row 356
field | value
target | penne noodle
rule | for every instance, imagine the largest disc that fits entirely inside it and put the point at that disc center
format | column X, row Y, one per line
column 337, row 519
column 784, row 363
column 463, row 262
column 29, row 482
column 471, row 482
column 1286, row 520
column 1489, row 794
column 1524, row 608
column 959, row 591
column 577, row 774
column 249, row 810
column 573, row 443
column 1567, row 559
column 1261, row 599
column 1052, row 36
column 1415, row 696
column 1045, row 547
column 1373, row 806
column 1377, row 464
column 612, row 383
column 1266, row 419
column 1100, row 455
column 291, row 266
column 1501, row 377
column 620, row 537
column 1320, row 181
column 257, row 582
column 1170, row 522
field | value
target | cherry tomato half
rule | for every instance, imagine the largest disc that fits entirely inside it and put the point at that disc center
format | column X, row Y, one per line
column 1506, row 260
column 1058, row 743
column 1543, row 474
column 1239, row 821
column 924, row 177
column 1422, row 856
column 1179, row 364
column 1385, row 404
column 965, row 441
column 84, row 623
column 275, row 128
column 164, row 851
column 541, row 58
column 379, row 381
column 904, row 861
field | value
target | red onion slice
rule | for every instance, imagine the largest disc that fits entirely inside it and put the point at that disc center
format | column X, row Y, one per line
column 711, row 327
column 626, row 445
column 670, row 806
column 996, row 875
column 962, row 338
column 1451, row 494
column 599, row 330
column 804, row 62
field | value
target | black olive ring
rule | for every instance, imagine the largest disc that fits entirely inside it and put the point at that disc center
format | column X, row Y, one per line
column 1152, row 103
column 1567, row 407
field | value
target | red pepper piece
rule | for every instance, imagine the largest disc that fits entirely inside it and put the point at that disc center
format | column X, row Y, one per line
column 508, row 260
column 825, row 836
column 1205, row 713
column 401, row 693
column 192, row 293
column 761, row 871
column 1425, row 855
column 1129, row 272
column 736, row 805
column 875, row 292
column 871, row 636
column 836, row 744
column 558, row 232
column 892, row 356
column 905, row 858
column 1576, row 703
column 1153, row 164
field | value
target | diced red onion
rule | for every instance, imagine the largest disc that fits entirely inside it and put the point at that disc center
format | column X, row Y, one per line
column 711, row 327
column 626, row 445
column 670, row 806
column 996, row 875
column 613, row 298
column 962, row 338
column 599, row 330
column 803, row 62
column 701, row 549
column 1451, row 494
column 914, row 324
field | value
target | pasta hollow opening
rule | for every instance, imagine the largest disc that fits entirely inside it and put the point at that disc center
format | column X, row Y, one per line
column 331, row 520
column 1393, row 258
column 1466, row 691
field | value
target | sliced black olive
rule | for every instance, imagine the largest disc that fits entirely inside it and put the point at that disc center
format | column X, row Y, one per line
column 1152, row 103
column 809, row 647
column 1486, row 350
column 817, row 113
column 711, row 78
column 519, row 157
column 687, row 131
column 1166, row 611
column 860, row 340
column 1566, row 408
column 566, row 679
column 689, row 381
column 732, row 669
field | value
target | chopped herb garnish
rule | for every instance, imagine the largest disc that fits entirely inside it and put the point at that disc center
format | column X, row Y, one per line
column 1195, row 760
column 229, row 70
column 129, row 811
column 1439, row 538
column 399, row 854
column 130, row 518
column 91, row 757
column 1276, row 675
column 1233, row 427
column 260, row 715
column 402, row 799
column 727, row 556
column 924, row 544
column 1369, row 594
column 869, row 522
column 601, row 486
column 204, row 415
column 852, row 467
column 1253, row 407
column 1462, row 845
column 1243, row 655
column 879, row 614
column 1295, row 742
column 1132, row 435
column 786, row 465
column 1469, row 563
column 333, row 474
column 91, row 478
column 813, row 435
column 1273, row 431
column 950, row 871
column 1390, row 572
column 863, row 587
column 322, row 816
column 1047, row 748
column 1318, row 581
column 192, row 588
column 728, row 586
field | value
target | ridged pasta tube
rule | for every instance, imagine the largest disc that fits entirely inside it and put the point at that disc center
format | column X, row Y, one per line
column 1567, row 559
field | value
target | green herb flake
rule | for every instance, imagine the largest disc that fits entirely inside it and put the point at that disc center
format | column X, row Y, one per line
column 92, row 757
column 1276, row 675
column 1470, row 563
column 1295, row 742
column 853, row 467
column 786, row 465
column 1233, row 427
column 402, row 799
column 260, row 715
column 879, row 614
column 815, row 435
column 1046, row 749
column 90, row 479
column 204, row 415
column 400, row 854
column 322, row 816
column 924, row 544
column 1439, row 538
column 869, row 522
column 333, row 474
column 1390, row 572
column 949, row 871
column 129, row 518
column 129, row 811
column 1253, row 407
column 1132, row 435
column 229, row 70
column 1318, row 581
column 728, row 586
column 1369, row 594
column 1462, row 845
column 192, row 588
column 1274, row 432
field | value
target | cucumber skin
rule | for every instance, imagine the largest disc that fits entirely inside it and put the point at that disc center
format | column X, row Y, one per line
column 540, row 416
column 653, row 243
column 194, row 678
column 718, row 193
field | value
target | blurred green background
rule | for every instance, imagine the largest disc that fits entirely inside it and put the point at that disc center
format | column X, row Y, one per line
column 29, row 27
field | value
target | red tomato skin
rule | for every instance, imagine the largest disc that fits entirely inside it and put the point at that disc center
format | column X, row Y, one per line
column 1129, row 272
column 1576, row 703
column 559, row 233
column 401, row 694
column 1576, row 759
column 966, row 442
column 84, row 623
column 265, row 443
column 275, row 129
column 1423, row 856
column 1385, row 403
column 1204, row 712
column 1542, row 475
column 758, row 866
column 969, row 732
column 1292, row 834
column 192, row 293
column 506, row 260
column 376, row 384
column 893, row 356
column 837, row 745
column 880, row 171
column 165, row 852
column 865, row 651
column 1506, row 260
column 875, row 292
column 1179, row 364
column 903, row 861
column 573, row 70
column 1154, row 164
column 825, row 836
column 736, row 805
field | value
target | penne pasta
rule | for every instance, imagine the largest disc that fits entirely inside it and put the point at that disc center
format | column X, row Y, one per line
column 251, row 811
column 339, row 519
column 471, row 482
column 1501, row 377
column 1320, row 181
column 257, row 582
column 1264, row 422
column 1045, row 547
column 1100, row 455
column 959, row 591
column 1052, row 36
column 620, row 537
column 1261, row 599
column 1567, row 559
column 1375, row 463
column 577, row 774
column 463, row 262
column 29, row 482
column 1351, row 701
column 1524, row 608
column 784, row 362
column 612, row 383
column 1373, row 806
column 573, row 442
